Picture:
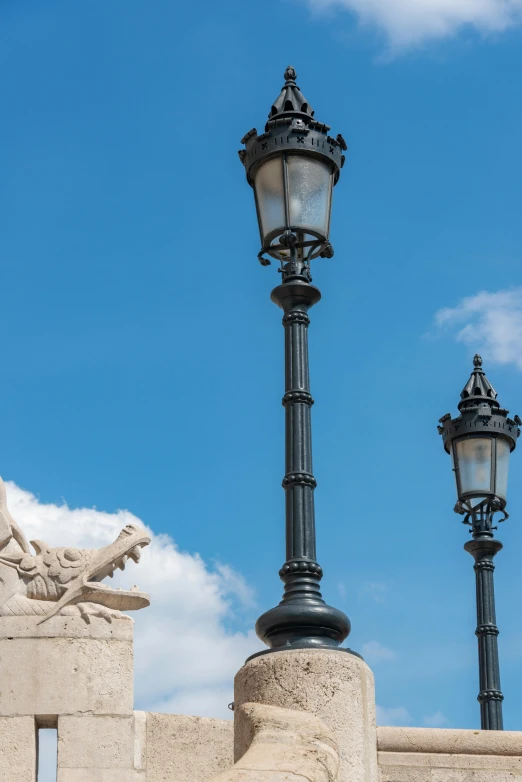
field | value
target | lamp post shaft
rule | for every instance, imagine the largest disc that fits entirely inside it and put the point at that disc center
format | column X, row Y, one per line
column 300, row 514
column 302, row 619
column 483, row 548
column 298, row 482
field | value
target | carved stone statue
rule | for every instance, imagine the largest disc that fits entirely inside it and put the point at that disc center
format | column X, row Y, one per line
column 65, row 580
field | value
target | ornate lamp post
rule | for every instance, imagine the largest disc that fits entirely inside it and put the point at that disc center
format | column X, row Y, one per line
column 292, row 168
column 480, row 441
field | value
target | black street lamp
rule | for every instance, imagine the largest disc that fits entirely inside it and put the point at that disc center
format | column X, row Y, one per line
column 293, row 167
column 480, row 441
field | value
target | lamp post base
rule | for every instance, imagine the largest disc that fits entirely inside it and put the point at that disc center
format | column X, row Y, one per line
column 303, row 625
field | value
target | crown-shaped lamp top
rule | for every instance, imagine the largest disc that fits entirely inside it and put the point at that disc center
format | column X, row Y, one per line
column 291, row 100
column 478, row 388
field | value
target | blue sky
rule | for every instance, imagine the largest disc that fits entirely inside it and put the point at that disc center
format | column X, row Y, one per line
column 142, row 357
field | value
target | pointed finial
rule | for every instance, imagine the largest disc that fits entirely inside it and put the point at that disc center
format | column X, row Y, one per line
column 290, row 74
column 478, row 387
column 291, row 100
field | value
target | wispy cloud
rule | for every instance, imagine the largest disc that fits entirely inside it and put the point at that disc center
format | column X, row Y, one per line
column 394, row 716
column 375, row 590
column 490, row 322
column 436, row 720
column 373, row 651
column 409, row 23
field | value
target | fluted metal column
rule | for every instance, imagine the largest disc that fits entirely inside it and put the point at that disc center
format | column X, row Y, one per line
column 302, row 619
column 483, row 548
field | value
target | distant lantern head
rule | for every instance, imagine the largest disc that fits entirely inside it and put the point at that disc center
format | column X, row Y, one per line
column 480, row 441
column 292, row 168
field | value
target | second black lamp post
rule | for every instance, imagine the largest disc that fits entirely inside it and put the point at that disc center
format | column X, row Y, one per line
column 293, row 167
column 480, row 441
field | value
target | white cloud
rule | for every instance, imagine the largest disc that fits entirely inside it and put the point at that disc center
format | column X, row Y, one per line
column 376, row 590
column 373, row 652
column 397, row 716
column 408, row 23
column 436, row 720
column 185, row 656
column 491, row 323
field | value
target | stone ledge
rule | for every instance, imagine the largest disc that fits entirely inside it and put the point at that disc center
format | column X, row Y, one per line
column 446, row 761
column 401, row 774
column 448, row 741
column 65, row 627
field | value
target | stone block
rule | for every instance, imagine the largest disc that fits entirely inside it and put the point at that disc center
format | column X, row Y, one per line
column 187, row 749
column 449, row 755
column 402, row 774
column 96, row 742
column 101, row 748
column 335, row 686
column 65, row 666
column 18, row 749
column 451, row 741
column 455, row 761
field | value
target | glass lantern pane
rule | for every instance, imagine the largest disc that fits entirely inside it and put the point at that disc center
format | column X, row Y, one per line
column 310, row 193
column 269, row 187
column 503, row 451
column 474, row 465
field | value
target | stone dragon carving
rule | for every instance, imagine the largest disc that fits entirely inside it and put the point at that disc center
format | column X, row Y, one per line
column 65, row 580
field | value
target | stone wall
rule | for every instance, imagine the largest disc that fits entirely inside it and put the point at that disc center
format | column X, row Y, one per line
column 143, row 748
column 78, row 678
column 293, row 710
column 441, row 755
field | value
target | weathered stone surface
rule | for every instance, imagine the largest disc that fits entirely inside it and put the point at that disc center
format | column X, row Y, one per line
column 102, row 748
column 335, row 686
column 55, row 669
column 441, row 755
column 96, row 742
column 466, row 742
column 283, row 746
column 99, row 775
column 417, row 774
column 65, row 627
column 456, row 761
column 187, row 749
column 18, row 749
column 140, row 740
column 450, row 775
column 400, row 774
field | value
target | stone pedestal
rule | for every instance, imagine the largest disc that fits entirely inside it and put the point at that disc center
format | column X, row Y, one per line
column 75, row 676
column 65, row 666
column 336, row 686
